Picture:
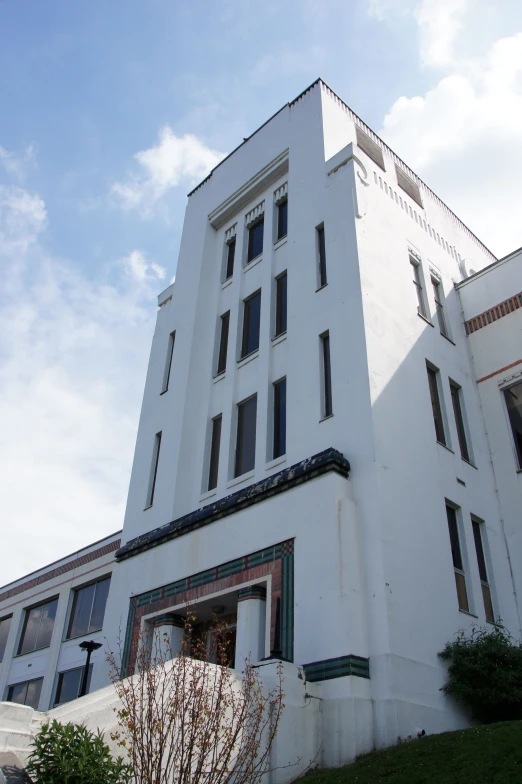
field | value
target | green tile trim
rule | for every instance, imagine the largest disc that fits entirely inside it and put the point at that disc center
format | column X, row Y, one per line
column 340, row 667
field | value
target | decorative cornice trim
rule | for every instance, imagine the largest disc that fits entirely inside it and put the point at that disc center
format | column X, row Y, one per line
column 340, row 667
column 501, row 370
column 288, row 478
column 493, row 314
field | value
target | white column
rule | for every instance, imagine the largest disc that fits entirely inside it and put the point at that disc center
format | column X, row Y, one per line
column 168, row 634
column 250, row 635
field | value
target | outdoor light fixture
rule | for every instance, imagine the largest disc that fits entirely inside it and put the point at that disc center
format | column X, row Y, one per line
column 89, row 646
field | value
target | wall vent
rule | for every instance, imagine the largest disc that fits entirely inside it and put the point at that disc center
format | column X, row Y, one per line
column 370, row 147
column 408, row 185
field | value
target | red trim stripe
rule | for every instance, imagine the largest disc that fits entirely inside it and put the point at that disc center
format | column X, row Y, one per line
column 496, row 372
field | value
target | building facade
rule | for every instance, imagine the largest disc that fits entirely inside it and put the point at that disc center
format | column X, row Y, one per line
column 315, row 457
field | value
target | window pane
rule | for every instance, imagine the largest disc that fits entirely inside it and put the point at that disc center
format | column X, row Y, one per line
column 255, row 240
column 281, row 305
column 435, row 405
column 30, row 634
column 98, row 607
column 454, row 538
column 154, row 469
column 246, row 436
column 81, row 611
column 69, row 683
column 438, row 304
column 251, row 322
column 280, row 418
column 27, row 693
column 327, row 376
column 17, row 693
column 231, row 253
column 46, row 626
column 417, row 282
column 488, row 605
column 513, row 397
column 477, row 535
column 223, row 343
column 282, row 220
column 459, row 421
column 168, row 362
column 5, row 625
column 462, row 595
column 322, row 256
column 214, row 453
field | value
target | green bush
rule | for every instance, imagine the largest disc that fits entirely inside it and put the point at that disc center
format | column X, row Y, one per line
column 486, row 673
column 71, row 754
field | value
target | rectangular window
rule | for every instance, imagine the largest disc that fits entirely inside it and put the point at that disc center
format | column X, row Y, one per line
column 246, row 436
column 486, row 591
column 439, row 306
column 435, row 404
column 223, row 343
column 513, row 398
column 88, row 608
column 419, row 288
column 26, row 693
column 153, row 470
column 459, row 420
column 279, row 418
column 231, row 254
column 168, row 363
column 282, row 219
column 321, row 255
column 255, row 240
column 38, row 627
column 280, row 326
column 458, row 565
column 214, row 453
column 5, row 625
column 251, row 321
column 327, row 375
column 69, row 683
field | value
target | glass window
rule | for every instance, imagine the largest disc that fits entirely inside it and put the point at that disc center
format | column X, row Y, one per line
column 513, row 397
column 321, row 251
column 281, row 304
column 246, row 436
column 223, row 343
column 88, row 608
column 327, row 376
column 153, row 470
column 486, row 591
column 251, row 321
column 5, row 625
column 459, row 420
column 69, row 683
column 214, row 453
column 255, row 240
column 460, row 579
column 168, row 362
column 38, row 627
column 26, row 693
column 437, row 294
column 282, row 219
column 417, row 282
column 231, row 254
column 435, row 405
column 279, row 418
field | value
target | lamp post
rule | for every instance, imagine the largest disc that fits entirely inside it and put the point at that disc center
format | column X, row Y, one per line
column 89, row 646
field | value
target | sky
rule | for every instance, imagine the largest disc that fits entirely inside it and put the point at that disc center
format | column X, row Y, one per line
column 110, row 112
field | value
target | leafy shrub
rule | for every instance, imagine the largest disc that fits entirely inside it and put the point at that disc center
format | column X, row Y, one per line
column 71, row 754
column 486, row 673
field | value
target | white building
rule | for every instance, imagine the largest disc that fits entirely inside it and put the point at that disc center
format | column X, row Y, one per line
column 315, row 455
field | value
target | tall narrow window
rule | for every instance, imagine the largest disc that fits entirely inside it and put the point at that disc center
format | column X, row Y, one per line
column 214, row 453
column 153, row 470
column 321, row 255
column 458, row 565
column 38, row 627
column 168, row 362
column 486, row 591
column 327, row 375
column 246, row 436
column 282, row 219
column 438, row 296
column 88, row 608
column 419, row 289
column 223, row 343
column 456, row 393
column 280, row 325
column 279, row 418
column 251, row 321
column 435, row 405
column 26, row 693
column 513, row 398
column 5, row 625
column 255, row 240
column 231, row 254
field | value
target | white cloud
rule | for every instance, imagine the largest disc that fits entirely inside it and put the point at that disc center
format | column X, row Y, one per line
column 74, row 353
column 291, row 62
column 17, row 165
column 173, row 161
column 439, row 25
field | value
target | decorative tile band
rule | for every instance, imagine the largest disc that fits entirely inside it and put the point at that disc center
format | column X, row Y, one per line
column 281, row 193
column 231, row 233
column 340, row 667
column 276, row 560
column 255, row 214
column 312, row 467
column 169, row 619
column 494, row 314
column 252, row 592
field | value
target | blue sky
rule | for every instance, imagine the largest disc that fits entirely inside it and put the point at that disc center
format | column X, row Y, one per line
column 110, row 112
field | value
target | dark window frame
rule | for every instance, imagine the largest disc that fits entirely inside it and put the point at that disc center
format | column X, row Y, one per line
column 60, row 679
column 253, row 239
column 457, row 556
column 282, row 219
column 76, row 592
column 321, row 256
column 326, row 370
column 168, row 363
column 215, row 444
column 12, row 687
column 418, row 282
column 514, row 412
column 439, row 306
column 281, row 315
column 154, row 470
column 230, row 258
column 239, row 468
column 248, row 325
column 223, row 343
column 3, row 620
column 27, row 611
column 436, row 405
column 279, row 430
column 478, row 526
column 456, row 401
